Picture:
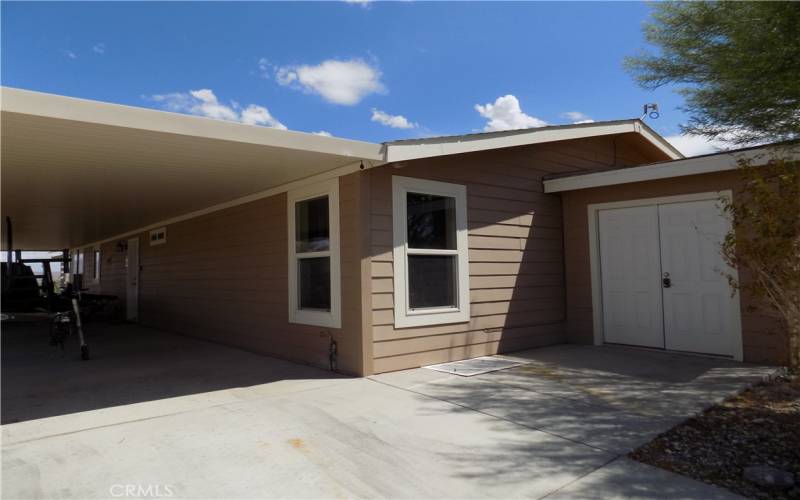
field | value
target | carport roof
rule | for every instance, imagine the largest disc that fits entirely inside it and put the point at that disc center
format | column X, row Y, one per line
column 76, row 171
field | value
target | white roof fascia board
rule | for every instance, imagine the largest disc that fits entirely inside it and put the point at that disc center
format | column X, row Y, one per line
column 658, row 141
column 83, row 110
column 676, row 168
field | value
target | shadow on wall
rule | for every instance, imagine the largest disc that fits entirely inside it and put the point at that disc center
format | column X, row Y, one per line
column 536, row 311
column 130, row 364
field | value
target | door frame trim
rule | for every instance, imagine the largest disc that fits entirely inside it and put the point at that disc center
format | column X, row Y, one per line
column 594, row 261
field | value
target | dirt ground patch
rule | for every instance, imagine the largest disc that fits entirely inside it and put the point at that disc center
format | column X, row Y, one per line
column 760, row 426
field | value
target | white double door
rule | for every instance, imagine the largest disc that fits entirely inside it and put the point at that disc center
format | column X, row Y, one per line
column 663, row 277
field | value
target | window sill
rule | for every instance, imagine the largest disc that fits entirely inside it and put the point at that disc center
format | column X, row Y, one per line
column 314, row 318
column 429, row 319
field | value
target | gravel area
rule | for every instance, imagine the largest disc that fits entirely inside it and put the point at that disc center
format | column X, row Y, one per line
column 758, row 427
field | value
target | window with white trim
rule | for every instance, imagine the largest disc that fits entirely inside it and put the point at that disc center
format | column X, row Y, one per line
column 314, row 276
column 158, row 236
column 431, row 262
column 96, row 270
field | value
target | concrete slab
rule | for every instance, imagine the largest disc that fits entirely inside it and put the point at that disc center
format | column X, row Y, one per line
column 407, row 379
column 131, row 364
column 357, row 439
column 611, row 398
column 627, row 479
column 172, row 416
column 601, row 427
column 640, row 381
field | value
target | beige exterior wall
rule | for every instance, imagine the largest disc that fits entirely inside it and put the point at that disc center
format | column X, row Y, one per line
column 517, row 297
column 761, row 341
column 112, row 273
column 224, row 277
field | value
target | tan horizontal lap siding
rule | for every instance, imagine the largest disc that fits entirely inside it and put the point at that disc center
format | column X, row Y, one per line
column 515, row 255
column 224, row 277
column 515, row 250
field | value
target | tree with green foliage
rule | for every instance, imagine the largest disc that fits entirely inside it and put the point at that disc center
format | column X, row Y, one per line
column 738, row 67
column 737, row 64
column 765, row 241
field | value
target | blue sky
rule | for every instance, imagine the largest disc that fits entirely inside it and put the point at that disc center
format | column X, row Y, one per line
column 375, row 71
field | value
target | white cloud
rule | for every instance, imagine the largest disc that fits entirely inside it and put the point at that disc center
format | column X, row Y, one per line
column 259, row 115
column 204, row 102
column 577, row 117
column 285, row 75
column 99, row 48
column 506, row 114
column 323, row 133
column 695, row 145
column 69, row 54
column 363, row 3
column 264, row 67
column 394, row 121
column 339, row 82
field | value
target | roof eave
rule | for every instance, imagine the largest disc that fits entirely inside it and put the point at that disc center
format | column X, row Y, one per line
column 676, row 168
column 467, row 144
column 116, row 115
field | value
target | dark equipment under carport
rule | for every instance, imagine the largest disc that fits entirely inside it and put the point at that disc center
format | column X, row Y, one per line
column 23, row 295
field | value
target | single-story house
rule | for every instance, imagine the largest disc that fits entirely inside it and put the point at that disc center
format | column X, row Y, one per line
column 397, row 255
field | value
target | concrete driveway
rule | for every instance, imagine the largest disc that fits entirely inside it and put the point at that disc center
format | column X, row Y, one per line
column 175, row 417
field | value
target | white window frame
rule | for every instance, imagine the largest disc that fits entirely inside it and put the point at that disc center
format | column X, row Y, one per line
column 97, row 258
column 332, row 318
column 404, row 316
column 160, row 234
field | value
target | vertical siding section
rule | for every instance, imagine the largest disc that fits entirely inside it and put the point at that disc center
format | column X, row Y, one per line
column 515, row 253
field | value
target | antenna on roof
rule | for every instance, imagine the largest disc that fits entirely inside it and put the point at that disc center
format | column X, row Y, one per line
column 650, row 110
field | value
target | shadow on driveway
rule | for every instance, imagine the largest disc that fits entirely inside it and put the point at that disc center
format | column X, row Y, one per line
column 611, row 398
column 130, row 364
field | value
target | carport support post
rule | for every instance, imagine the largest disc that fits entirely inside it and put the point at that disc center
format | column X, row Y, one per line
column 10, row 241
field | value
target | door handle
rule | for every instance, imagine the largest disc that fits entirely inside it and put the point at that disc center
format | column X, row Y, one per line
column 667, row 282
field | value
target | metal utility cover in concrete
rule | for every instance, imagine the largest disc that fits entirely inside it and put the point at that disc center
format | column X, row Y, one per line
column 475, row 366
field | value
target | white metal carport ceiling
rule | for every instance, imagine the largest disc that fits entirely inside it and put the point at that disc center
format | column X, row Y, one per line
column 77, row 171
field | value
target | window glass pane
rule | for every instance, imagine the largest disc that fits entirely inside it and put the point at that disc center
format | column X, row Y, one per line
column 311, row 225
column 431, row 221
column 314, row 283
column 432, row 281
column 96, row 264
